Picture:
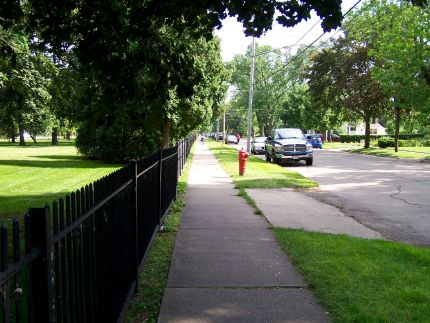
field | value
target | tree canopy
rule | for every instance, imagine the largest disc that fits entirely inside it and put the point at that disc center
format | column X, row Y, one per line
column 146, row 72
column 25, row 76
column 397, row 35
column 340, row 79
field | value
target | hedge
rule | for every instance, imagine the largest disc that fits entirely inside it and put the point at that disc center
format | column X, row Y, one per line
column 389, row 142
column 358, row 138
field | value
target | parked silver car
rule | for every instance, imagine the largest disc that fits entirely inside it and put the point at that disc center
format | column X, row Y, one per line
column 258, row 145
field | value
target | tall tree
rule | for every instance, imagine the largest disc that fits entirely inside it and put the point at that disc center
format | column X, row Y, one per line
column 25, row 78
column 271, row 85
column 137, row 62
column 397, row 34
column 340, row 78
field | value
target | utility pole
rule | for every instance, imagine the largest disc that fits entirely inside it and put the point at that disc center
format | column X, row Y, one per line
column 223, row 128
column 251, row 90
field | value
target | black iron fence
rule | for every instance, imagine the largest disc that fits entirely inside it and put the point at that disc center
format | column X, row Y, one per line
column 82, row 256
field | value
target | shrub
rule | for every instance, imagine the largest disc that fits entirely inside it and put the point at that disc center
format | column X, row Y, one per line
column 385, row 142
column 413, row 138
column 425, row 142
column 356, row 138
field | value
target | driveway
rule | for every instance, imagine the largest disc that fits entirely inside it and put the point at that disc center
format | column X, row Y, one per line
column 388, row 195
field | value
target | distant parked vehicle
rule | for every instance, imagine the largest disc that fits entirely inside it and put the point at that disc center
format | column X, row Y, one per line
column 315, row 141
column 288, row 145
column 334, row 137
column 258, row 145
column 230, row 139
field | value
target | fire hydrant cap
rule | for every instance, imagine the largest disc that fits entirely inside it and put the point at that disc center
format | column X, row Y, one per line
column 243, row 154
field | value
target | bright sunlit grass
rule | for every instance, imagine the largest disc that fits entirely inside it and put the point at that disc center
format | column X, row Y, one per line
column 34, row 175
column 341, row 145
column 360, row 280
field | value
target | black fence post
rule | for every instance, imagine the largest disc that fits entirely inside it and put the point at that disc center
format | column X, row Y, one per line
column 41, row 275
column 160, row 186
column 177, row 172
column 136, row 223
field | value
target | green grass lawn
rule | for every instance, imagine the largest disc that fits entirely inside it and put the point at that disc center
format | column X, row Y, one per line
column 145, row 305
column 360, row 280
column 341, row 145
column 259, row 173
column 33, row 175
column 404, row 152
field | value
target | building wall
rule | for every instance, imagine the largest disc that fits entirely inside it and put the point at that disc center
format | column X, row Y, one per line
column 360, row 129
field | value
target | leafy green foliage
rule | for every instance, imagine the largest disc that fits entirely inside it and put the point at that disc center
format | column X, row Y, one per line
column 390, row 142
column 25, row 76
column 358, row 138
column 146, row 69
column 271, row 87
column 340, row 79
column 183, row 87
column 397, row 36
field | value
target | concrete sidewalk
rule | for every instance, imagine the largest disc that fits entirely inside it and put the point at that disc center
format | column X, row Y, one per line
column 226, row 265
column 285, row 208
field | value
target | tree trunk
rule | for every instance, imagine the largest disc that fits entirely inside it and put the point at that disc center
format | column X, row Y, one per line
column 397, row 129
column 262, row 132
column 12, row 133
column 269, row 130
column 21, row 135
column 367, row 133
column 68, row 135
column 54, row 136
column 166, row 134
column 33, row 136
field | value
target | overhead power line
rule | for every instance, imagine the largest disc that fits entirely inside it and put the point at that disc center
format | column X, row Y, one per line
column 318, row 38
column 293, row 45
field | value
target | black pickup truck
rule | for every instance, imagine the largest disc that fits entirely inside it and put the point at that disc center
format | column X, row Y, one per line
column 288, row 145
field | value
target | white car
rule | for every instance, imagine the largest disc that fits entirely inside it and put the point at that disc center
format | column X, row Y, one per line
column 258, row 145
column 230, row 139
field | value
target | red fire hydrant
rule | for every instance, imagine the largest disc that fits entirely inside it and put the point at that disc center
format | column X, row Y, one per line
column 243, row 156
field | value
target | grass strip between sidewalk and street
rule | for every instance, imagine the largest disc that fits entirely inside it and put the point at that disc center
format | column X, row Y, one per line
column 259, row 173
column 360, row 280
column 146, row 303
column 354, row 279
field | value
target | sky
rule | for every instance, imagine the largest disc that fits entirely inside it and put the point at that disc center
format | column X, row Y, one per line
column 234, row 42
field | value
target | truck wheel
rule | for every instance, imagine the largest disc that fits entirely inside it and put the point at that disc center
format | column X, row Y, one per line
column 268, row 159
column 309, row 162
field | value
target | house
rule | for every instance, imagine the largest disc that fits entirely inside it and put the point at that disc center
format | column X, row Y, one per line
column 360, row 129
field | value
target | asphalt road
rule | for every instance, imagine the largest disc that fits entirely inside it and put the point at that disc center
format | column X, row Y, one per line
column 387, row 195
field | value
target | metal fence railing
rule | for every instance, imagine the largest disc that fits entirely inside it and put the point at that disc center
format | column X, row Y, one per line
column 78, row 261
